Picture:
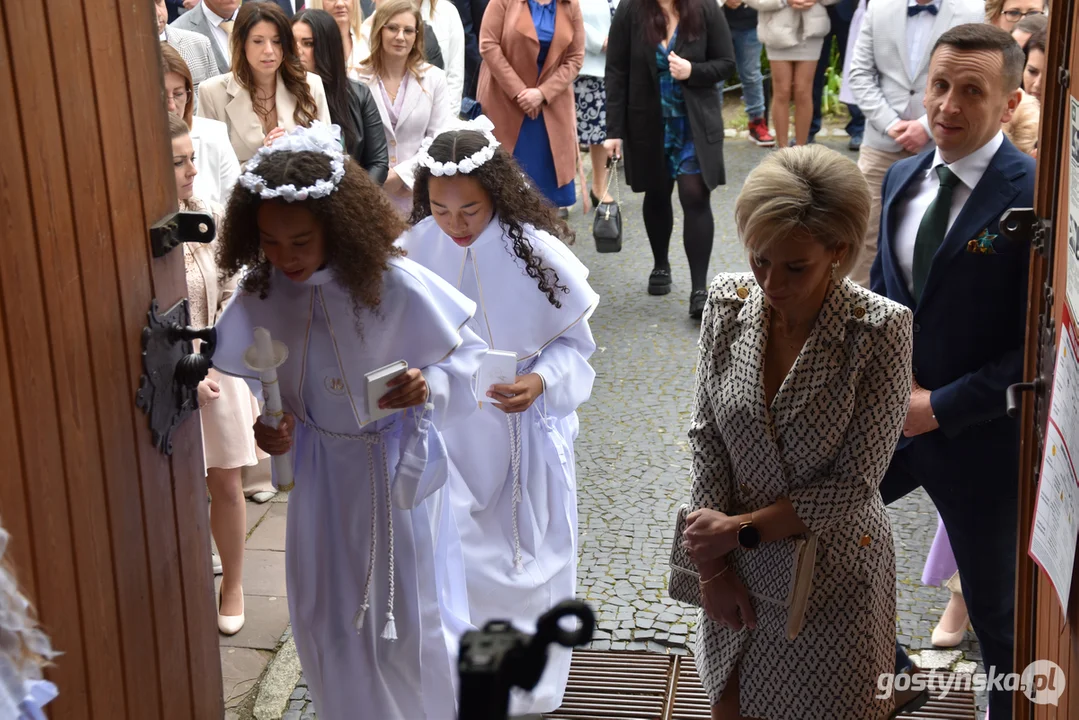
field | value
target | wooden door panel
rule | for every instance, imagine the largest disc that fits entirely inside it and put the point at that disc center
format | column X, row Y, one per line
column 109, row 537
column 33, row 369
column 187, row 494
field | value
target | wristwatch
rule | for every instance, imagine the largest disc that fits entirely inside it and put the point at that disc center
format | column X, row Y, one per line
column 749, row 537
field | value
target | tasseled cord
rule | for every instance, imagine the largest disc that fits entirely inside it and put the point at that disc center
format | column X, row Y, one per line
column 514, row 421
column 389, row 632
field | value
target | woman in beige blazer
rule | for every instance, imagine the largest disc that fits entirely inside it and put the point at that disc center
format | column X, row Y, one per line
column 803, row 384
column 267, row 93
column 226, row 405
column 410, row 93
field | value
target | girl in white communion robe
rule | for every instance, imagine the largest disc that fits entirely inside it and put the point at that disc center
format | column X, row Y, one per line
column 479, row 225
column 367, row 587
column 24, row 650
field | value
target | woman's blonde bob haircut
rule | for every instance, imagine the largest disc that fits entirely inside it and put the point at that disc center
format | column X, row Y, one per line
column 808, row 192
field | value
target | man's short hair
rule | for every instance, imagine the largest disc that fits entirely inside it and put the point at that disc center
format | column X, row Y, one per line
column 983, row 36
column 1032, row 24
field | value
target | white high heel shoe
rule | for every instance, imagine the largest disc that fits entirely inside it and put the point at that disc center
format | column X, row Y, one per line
column 229, row 624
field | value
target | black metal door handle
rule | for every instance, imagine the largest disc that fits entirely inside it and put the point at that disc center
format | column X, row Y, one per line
column 1014, row 402
column 193, row 367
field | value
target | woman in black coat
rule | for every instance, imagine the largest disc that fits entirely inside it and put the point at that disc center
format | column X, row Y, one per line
column 664, row 58
column 352, row 107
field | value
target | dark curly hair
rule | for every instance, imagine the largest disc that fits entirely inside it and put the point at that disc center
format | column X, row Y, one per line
column 359, row 226
column 515, row 202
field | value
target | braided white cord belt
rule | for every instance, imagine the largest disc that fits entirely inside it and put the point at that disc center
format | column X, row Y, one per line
column 371, row 440
column 514, row 421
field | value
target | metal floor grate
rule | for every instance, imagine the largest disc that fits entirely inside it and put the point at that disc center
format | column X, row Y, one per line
column 648, row 686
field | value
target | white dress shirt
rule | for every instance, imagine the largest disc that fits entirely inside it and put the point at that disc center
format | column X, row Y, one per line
column 919, row 28
column 921, row 193
column 220, row 35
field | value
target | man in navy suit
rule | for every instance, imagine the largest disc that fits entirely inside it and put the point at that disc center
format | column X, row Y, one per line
column 941, row 253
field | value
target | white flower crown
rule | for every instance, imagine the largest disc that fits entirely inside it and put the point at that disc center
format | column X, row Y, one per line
column 466, row 165
column 320, row 138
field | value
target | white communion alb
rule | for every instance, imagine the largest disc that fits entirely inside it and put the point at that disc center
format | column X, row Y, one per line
column 375, row 598
column 494, row 455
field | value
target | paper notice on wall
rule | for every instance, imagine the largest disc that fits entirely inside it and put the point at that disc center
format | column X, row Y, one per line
column 1056, row 513
column 1073, row 205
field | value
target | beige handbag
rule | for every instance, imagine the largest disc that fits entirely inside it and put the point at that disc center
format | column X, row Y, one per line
column 767, row 575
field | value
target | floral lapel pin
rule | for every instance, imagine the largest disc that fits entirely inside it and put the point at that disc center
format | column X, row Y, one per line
column 983, row 244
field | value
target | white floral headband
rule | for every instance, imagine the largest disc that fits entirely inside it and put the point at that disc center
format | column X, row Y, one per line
column 466, row 165
column 320, row 138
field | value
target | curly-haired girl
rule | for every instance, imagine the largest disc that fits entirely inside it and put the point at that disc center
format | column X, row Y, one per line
column 481, row 226
column 367, row 586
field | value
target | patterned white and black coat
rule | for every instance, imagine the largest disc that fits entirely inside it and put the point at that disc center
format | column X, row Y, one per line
column 825, row 444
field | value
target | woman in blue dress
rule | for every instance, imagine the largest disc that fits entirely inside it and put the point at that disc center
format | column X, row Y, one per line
column 526, row 88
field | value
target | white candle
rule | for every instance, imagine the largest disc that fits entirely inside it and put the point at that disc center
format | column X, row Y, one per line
column 266, row 363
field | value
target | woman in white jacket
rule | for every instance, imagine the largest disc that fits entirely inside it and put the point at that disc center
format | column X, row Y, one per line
column 792, row 32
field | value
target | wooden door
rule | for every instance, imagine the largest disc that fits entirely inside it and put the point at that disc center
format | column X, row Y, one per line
column 1043, row 630
column 110, row 537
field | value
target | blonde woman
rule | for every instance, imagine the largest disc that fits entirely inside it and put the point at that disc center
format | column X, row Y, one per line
column 782, row 448
column 227, row 407
column 410, row 93
column 1006, row 14
column 432, row 50
column 349, row 18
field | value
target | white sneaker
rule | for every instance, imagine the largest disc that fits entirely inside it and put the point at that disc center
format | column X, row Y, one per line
column 264, row 496
column 217, row 564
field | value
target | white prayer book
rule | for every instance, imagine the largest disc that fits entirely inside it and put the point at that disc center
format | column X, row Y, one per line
column 498, row 368
column 377, row 385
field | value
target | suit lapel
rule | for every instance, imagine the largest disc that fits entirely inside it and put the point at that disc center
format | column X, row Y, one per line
column 942, row 22
column 994, row 193
column 286, row 106
column 207, row 29
column 413, row 92
column 746, row 372
column 896, row 17
column 905, row 176
column 817, row 357
column 242, row 115
column 383, row 114
column 563, row 33
column 526, row 29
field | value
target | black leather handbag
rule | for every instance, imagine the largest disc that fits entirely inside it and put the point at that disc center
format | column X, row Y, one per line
column 607, row 224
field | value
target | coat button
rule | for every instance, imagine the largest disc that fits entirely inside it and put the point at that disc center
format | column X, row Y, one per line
column 912, row 93
column 393, row 142
column 859, row 312
column 864, row 542
column 743, row 487
column 742, row 293
column 917, row 327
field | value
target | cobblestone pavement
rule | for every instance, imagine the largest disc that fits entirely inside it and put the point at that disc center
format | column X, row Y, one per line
column 632, row 454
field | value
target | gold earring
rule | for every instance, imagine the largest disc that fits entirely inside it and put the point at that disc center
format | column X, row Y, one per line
column 835, row 269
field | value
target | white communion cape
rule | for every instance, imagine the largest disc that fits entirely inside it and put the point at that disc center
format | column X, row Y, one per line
column 371, row 582
column 520, row 556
